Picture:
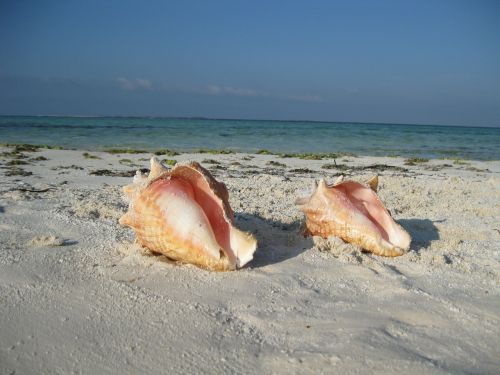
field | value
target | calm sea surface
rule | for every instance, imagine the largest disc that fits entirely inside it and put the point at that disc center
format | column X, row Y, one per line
column 95, row 133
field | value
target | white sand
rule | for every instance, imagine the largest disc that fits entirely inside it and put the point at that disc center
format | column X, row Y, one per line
column 99, row 304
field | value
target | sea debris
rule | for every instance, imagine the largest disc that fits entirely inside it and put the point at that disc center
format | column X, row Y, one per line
column 46, row 240
column 87, row 155
column 110, row 173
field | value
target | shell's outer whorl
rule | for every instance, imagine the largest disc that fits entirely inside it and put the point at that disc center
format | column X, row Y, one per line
column 193, row 224
column 352, row 211
column 167, row 219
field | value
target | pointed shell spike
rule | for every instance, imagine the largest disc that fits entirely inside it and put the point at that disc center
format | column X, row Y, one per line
column 125, row 220
column 156, row 169
column 338, row 180
column 373, row 183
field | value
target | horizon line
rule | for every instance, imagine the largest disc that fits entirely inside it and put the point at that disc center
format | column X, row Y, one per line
column 254, row 119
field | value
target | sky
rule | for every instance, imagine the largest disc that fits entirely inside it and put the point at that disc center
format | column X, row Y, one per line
column 421, row 62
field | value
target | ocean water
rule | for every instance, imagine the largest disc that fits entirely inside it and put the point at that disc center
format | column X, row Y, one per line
column 97, row 133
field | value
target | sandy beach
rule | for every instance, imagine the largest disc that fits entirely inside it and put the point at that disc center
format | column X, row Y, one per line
column 79, row 297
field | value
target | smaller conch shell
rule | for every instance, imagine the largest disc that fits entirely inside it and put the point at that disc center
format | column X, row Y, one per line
column 184, row 213
column 352, row 211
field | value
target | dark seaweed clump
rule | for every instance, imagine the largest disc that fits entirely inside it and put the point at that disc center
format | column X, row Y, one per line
column 276, row 164
column 373, row 167
column 264, row 152
column 72, row 166
column 86, row 155
column 301, row 170
column 415, row 161
column 39, row 158
column 17, row 172
column 107, row 172
column 16, row 162
column 125, row 151
column 166, row 152
column 312, row 156
column 213, row 151
column 25, row 147
column 210, row 161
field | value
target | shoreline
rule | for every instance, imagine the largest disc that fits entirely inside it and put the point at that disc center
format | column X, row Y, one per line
column 411, row 158
column 82, row 297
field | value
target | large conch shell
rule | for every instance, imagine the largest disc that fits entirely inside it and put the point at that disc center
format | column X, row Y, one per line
column 352, row 211
column 184, row 213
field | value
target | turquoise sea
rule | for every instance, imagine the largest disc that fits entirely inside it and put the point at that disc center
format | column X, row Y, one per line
column 182, row 134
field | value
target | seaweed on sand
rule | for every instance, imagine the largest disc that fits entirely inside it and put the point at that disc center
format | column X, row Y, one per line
column 108, row 172
column 276, row 164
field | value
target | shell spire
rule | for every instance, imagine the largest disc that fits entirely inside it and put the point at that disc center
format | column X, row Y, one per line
column 184, row 213
column 373, row 183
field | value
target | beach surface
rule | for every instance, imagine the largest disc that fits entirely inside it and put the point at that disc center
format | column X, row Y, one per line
column 79, row 297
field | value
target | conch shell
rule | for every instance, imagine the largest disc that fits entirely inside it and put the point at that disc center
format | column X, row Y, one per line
column 352, row 211
column 184, row 213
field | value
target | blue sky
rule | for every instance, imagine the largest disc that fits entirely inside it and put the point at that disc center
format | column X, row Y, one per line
column 430, row 62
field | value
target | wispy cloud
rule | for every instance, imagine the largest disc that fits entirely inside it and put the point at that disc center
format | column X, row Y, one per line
column 231, row 91
column 235, row 91
column 134, row 84
column 213, row 90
